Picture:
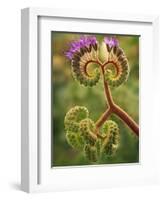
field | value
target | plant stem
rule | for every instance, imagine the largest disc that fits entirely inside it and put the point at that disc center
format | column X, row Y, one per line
column 103, row 117
column 108, row 95
column 126, row 118
column 113, row 108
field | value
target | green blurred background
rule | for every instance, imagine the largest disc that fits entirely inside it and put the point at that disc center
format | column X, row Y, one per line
column 66, row 93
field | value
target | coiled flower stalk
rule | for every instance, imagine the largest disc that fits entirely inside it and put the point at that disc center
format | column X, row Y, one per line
column 81, row 135
column 117, row 57
column 82, row 52
column 72, row 126
column 112, row 139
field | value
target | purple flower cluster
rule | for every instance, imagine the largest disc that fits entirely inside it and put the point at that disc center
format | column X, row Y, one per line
column 75, row 46
column 111, row 41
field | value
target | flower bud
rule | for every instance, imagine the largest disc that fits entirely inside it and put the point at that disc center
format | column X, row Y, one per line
column 75, row 140
column 111, row 142
column 90, row 153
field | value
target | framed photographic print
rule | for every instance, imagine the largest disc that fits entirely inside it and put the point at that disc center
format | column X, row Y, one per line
column 87, row 119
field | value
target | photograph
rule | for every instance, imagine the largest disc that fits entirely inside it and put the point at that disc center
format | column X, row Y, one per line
column 94, row 99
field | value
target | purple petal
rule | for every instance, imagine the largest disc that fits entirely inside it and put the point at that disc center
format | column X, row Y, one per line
column 111, row 41
column 75, row 46
column 92, row 40
column 69, row 55
column 83, row 41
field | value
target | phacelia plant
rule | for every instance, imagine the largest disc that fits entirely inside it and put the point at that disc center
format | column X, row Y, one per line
column 100, row 138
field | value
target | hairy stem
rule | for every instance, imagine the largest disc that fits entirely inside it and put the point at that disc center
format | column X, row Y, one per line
column 113, row 108
column 107, row 90
column 126, row 118
column 108, row 95
column 103, row 118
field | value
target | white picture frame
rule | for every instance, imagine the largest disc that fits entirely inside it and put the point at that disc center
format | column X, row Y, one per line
column 36, row 171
